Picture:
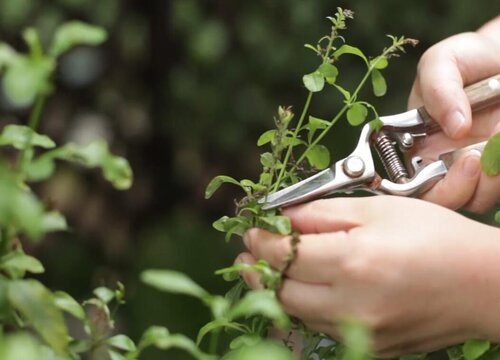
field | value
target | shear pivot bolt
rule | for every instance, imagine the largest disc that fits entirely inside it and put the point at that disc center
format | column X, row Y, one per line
column 354, row 166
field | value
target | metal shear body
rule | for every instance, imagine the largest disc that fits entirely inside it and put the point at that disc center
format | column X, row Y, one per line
column 357, row 171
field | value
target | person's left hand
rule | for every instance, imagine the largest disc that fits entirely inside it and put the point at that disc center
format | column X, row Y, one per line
column 421, row 276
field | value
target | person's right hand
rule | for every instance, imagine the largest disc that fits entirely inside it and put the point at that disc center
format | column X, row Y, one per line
column 442, row 73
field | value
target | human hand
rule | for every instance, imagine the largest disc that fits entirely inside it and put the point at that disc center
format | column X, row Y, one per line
column 442, row 73
column 421, row 276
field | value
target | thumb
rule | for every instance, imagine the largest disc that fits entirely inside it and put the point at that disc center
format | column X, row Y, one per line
column 444, row 70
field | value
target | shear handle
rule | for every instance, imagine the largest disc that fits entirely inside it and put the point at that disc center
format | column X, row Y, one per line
column 481, row 95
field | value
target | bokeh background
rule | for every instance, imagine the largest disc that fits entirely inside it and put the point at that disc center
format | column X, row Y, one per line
column 182, row 89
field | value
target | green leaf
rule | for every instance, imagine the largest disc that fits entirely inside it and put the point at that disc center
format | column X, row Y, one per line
column 378, row 83
column 348, row 49
column 22, row 137
column 314, row 125
column 20, row 345
column 115, row 355
column 497, row 217
column 318, row 156
column 17, row 263
column 267, row 137
column 267, row 160
column 66, row 303
column 160, row 338
column 278, row 223
column 215, row 325
column 473, row 349
column 216, row 182
column 356, row 114
column 490, row 159
column 314, row 82
column 18, row 207
column 291, row 141
column 454, row 352
column 243, row 341
column 329, row 72
column 26, row 78
column 173, row 282
column 37, row 305
column 105, row 294
column 357, row 338
column 54, row 221
column 262, row 350
column 261, row 302
column 380, row 62
column 121, row 342
column 346, row 94
column 7, row 55
column 95, row 154
column 76, row 33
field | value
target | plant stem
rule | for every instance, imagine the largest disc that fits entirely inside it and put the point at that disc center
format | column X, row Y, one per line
column 35, row 116
column 214, row 342
column 36, row 113
column 295, row 135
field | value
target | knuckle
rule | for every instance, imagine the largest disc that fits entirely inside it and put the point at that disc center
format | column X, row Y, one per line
column 281, row 252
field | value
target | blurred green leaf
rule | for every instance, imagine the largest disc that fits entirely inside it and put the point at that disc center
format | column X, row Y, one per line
column 161, row 338
column 105, row 294
column 76, row 33
column 357, row 339
column 4, row 303
column 20, row 346
column 261, row 302
column 37, row 305
column 173, row 282
column 318, row 156
column 262, row 350
column 497, row 217
column 53, row 221
column 216, row 182
column 115, row 355
column 96, row 154
column 314, row 82
column 65, row 302
column 314, row 125
column 473, row 349
column 356, row 114
column 121, row 342
column 378, row 83
column 490, row 159
column 25, row 78
column 7, row 55
column 243, row 341
column 216, row 325
column 17, row 263
column 21, row 137
column 19, row 207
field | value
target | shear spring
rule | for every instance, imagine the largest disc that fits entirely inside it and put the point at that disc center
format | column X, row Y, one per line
column 390, row 158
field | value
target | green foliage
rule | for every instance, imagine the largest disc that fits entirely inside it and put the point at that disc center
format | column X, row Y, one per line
column 473, row 349
column 490, row 159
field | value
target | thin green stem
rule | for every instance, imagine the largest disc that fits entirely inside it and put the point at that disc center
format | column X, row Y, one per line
column 295, row 135
column 36, row 113
column 214, row 342
column 35, row 116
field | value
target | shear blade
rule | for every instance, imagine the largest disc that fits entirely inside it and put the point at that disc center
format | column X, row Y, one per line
column 312, row 187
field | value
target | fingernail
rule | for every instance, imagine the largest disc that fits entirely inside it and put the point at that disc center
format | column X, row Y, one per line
column 455, row 121
column 471, row 164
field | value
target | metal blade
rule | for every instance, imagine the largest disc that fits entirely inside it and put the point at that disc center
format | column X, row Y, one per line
column 450, row 157
column 312, row 187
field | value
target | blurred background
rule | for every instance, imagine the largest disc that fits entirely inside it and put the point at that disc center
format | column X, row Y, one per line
column 182, row 89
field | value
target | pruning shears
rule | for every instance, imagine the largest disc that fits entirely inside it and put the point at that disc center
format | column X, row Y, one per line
column 395, row 132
